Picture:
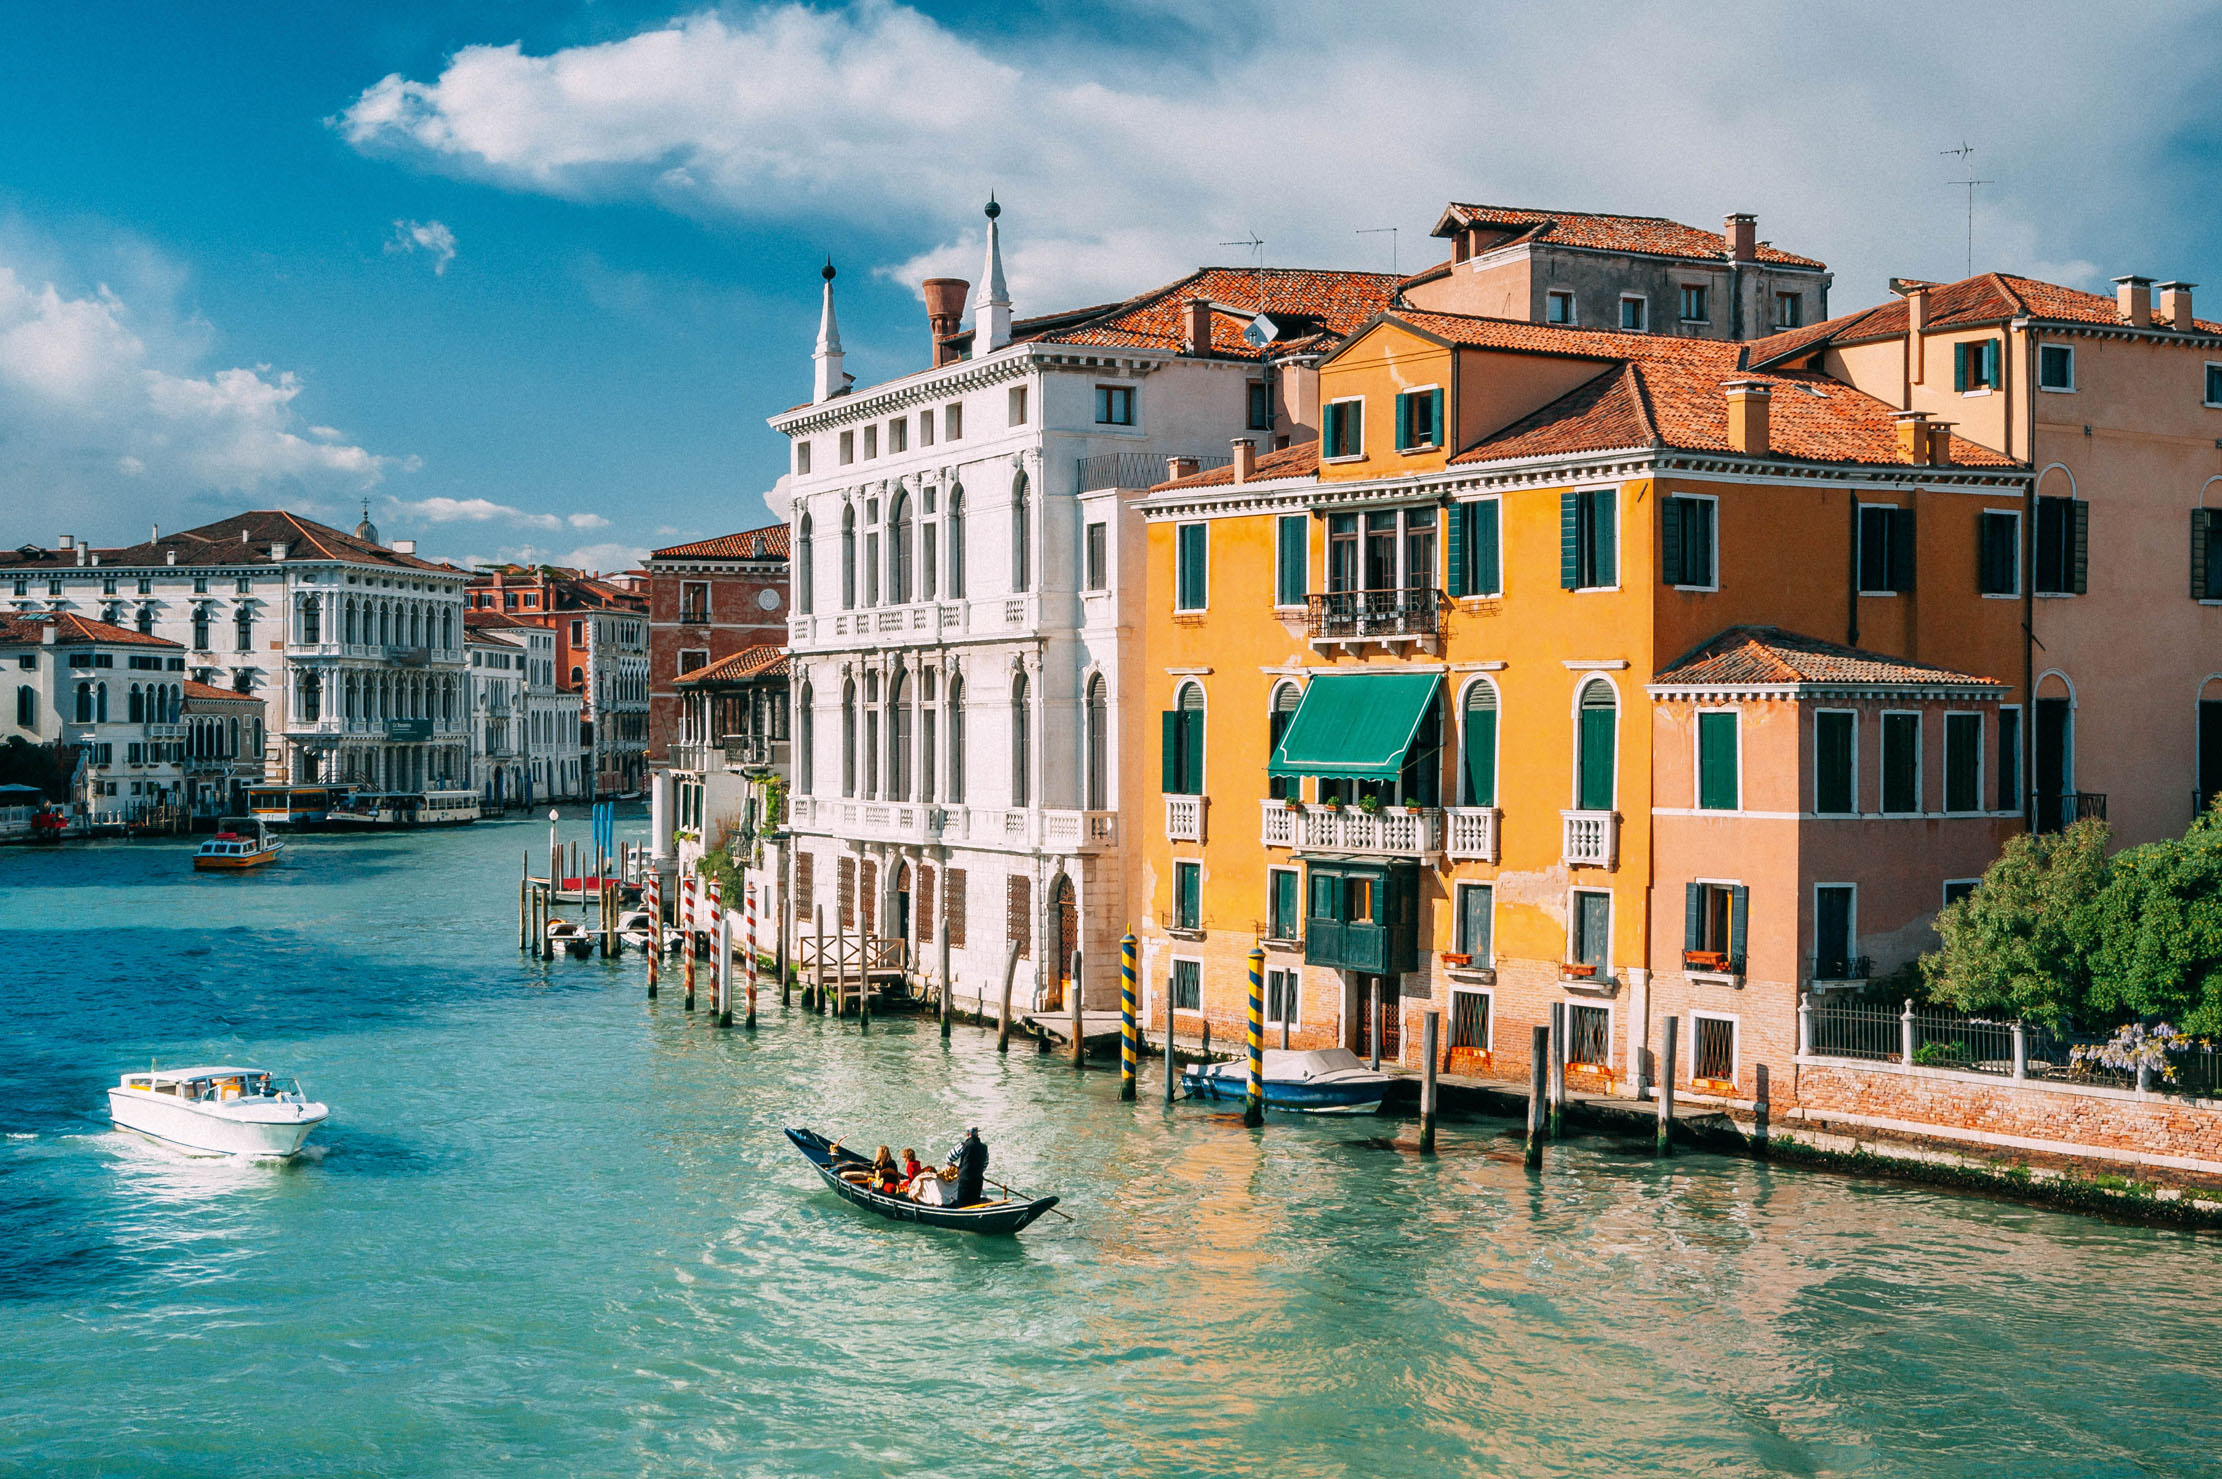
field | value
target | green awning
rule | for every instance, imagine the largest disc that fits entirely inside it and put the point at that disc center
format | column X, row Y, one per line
column 1355, row 726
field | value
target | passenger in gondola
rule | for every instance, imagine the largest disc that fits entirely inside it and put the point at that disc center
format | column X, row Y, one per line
column 971, row 1161
column 884, row 1177
column 911, row 1168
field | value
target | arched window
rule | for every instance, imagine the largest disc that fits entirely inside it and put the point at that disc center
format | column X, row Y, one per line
column 926, row 756
column 244, row 629
column 1286, row 697
column 350, row 697
column 898, row 737
column 346, row 620
column 135, row 708
column 146, row 621
column 200, row 629
column 871, row 736
column 1021, row 744
column 312, row 621
column 312, row 697
column 447, row 626
column 848, row 558
column 578, row 678
column 806, row 582
column 956, row 556
column 806, row 759
column 956, row 741
column 1593, row 783
column 1477, row 745
column 385, row 624
column 898, row 548
column 1182, row 760
column 848, row 737
column 1022, row 544
column 1099, row 747
column 929, row 548
column 100, row 703
column 84, row 703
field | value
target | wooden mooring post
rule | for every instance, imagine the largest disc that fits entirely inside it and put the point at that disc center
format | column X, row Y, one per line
column 524, row 905
column 686, row 937
column 1430, row 1022
column 1073, row 995
column 652, row 894
column 864, row 980
column 723, row 965
column 1557, row 1080
column 1666, row 1086
column 1127, row 1043
column 1172, row 1054
column 815, row 998
column 1539, row 1068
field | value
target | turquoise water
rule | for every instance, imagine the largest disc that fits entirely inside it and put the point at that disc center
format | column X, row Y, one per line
column 552, row 1229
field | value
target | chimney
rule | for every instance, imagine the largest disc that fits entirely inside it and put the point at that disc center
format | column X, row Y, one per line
column 84, row 553
column 68, row 541
column 1914, row 441
column 1177, row 468
column 171, row 557
column 1196, row 326
column 1747, row 416
column 1917, row 326
column 1245, row 459
column 1940, row 443
column 154, row 533
column 944, row 314
column 405, row 546
column 50, row 633
column 1742, row 231
column 277, row 549
column 2175, row 305
column 2134, row 296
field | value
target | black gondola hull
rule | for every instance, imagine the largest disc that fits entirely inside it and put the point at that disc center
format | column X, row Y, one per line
column 830, row 1160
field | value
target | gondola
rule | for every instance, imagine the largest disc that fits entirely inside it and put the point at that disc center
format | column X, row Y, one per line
column 831, row 1159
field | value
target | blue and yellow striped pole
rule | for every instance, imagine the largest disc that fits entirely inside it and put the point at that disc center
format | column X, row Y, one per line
column 1253, row 1103
column 1129, row 1049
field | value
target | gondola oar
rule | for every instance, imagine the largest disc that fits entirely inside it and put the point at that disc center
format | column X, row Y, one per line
column 1024, row 1196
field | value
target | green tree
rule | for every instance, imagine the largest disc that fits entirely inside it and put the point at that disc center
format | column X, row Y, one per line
column 2157, row 949
column 2021, row 944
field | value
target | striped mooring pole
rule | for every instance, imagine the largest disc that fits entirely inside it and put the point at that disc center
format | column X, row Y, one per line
column 653, row 895
column 1128, row 1048
column 1253, row 1103
column 750, row 890
column 687, row 892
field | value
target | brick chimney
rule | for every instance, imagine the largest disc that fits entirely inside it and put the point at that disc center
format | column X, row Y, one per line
column 1742, row 231
column 1196, row 326
column 1914, row 441
column 1245, row 459
column 1177, row 468
column 1748, row 428
column 1940, row 443
column 2175, row 305
column 945, row 299
column 2134, row 296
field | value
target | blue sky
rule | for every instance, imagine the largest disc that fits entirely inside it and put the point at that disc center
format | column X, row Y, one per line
column 529, row 276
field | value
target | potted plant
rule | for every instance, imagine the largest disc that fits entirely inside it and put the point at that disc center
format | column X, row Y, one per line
column 1292, row 803
column 1332, row 803
column 1370, row 805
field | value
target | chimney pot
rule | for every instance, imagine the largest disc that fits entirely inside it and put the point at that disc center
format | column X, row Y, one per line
column 2175, row 305
column 2134, row 296
column 1917, row 326
column 1914, row 442
column 1177, row 468
column 1940, row 443
column 68, row 541
column 945, row 300
column 1742, row 233
column 1245, row 459
column 172, row 560
column 405, row 546
column 1748, row 430
column 1197, row 326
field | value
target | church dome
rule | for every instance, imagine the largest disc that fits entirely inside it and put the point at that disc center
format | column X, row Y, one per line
column 366, row 531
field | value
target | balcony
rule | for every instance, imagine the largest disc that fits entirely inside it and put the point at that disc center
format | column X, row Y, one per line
column 694, row 616
column 687, row 757
column 1079, row 831
column 1473, row 832
column 755, row 751
column 410, row 657
column 1354, row 618
column 165, row 731
column 1591, row 839
column 1392, row 832
column 1842, row 970
column 1184, row 818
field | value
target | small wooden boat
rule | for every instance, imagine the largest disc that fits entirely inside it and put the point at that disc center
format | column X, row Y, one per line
column 1006, row 1216
column 240, row 843
column 570, row 936
column 1318, row 1081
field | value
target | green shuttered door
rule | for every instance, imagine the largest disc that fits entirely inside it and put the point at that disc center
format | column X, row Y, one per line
column 1716, row 762
column 1597, row 758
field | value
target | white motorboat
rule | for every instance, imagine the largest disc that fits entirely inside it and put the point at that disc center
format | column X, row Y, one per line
column 569, row 936
column 637, row 928
column 217, row 1111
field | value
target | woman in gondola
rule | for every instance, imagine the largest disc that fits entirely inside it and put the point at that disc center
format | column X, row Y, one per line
column 885, row 1178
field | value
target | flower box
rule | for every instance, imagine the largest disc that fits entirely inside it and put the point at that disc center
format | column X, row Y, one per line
column 1580, row 970
column 1452, row 957
column 1704, row 960
column 1291, row 804
column 1370, row 805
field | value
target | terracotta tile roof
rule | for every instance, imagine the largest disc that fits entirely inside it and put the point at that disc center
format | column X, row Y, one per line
column 18, row 628
column 750, row 662
column 242, row 539
column 207, row 694
column 1474, row 332
column 1771, row 657
column 1299, row 461
column 1987, row 298
column 767, row 543
column 1309, row 306
column 1655, row 235
column 477, row 618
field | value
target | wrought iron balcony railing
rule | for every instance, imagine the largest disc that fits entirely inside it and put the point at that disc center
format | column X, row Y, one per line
column 1375, row 616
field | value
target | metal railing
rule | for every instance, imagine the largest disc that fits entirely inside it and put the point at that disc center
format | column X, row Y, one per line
column 1374, row 616
column 2009, row 1050
column 1134, row 469
column 1842, row 968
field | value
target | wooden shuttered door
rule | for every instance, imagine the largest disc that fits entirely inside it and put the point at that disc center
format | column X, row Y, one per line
column 2199, row 564
column 1181, row 761
column 847, row 888
column 1018, row 909
column 1670, row 540
column 954, row 919
column 868, row 885
column 1458, row 539
column 806, row 890
column 1716, row 762
column 1479, row 761
column 1474, row 569
column 1189, row 577
column 926, row 905
column 1832, row 767
column 1598, row 716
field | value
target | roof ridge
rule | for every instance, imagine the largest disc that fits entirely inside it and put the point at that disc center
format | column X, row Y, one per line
column 1646, row 413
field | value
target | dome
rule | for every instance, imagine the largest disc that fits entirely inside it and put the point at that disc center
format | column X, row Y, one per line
column 366, row 530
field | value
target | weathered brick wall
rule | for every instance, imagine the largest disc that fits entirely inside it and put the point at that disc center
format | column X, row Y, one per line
column 2175, row 1129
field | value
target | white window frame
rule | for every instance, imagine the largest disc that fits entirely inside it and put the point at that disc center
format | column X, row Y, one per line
column 1458, row 919
column 1572, row 307
column 1179, row 543
column 1944, row 896
column 1412, row 390
column 1882, row 764
column 1713, row 582
column 1643, row 307
column 1612, row 1031
column 684, row 654
column 1489, row 1014
column 1496, row 757
column 1697, row 761
column 1574, row 774
column 1573, row 920
column 2067, row 389
column 1983, row 741
column 2206, row 378
column 1775, row 302
column 1815, row 804
column 1172, row 1002
column 1735, row 1044
column 1295, row 973
column 1851, row 920
column 1619, row 542
column 2019, row 552
column 1133, row 420
column 1269, row 872
column 1277, row 569
column 1346, row 400
column 1021, row 405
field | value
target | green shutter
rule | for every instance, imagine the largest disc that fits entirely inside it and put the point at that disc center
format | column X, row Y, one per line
column 1189, row 578
column 1481, row 757
column 1670, row 541
column 1169, row 754
column 1403, row 421
column 1993, row 375
column 1597, row 758
column 1739, row 910
column 1488, row 578
column 2198, row 554
column 2082, row 582
column 1959, row 366
column 1901, row 550
column 1191, row 891
column 1604, row 510
column 1192, row 751
column 1716, row 762
column 1456, row 537
column 1693, row 916
column 1294, row 576
column 1570, row 541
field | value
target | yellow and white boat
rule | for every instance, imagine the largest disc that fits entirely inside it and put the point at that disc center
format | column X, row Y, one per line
column 240, row 843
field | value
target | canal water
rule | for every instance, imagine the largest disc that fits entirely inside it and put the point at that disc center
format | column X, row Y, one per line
column 552, row 1228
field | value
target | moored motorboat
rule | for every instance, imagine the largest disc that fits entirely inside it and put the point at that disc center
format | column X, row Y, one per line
column 1312, row 1081
column 570, row 936
column 217, row 1110
column 240, row 843
column 637, row 928
column 848, row 1174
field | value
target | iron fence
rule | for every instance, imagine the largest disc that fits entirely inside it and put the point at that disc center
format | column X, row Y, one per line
column 1849, row 1031
column 1930, row 1039
column 1971, row 1044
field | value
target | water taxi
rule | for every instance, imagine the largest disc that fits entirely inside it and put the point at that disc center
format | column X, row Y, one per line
column 240, row 843
column 1315, row 1081
column 217, row 1110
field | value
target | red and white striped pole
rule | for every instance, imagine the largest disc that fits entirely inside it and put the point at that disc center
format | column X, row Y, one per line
column 686, row 932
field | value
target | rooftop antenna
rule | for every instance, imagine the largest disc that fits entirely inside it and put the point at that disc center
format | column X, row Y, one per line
column 1966, row 153
column 1378, row 230
column 1261, row 331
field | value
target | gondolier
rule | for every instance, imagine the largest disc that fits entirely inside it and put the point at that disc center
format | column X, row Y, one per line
column 971, row 1161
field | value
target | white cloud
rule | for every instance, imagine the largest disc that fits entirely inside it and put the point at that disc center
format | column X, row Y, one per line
column 431, row 237
column 1122, row 168
column 486, row 511
column 108, row 416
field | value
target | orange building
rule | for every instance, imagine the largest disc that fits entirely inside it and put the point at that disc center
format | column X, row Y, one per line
column 1520, row 687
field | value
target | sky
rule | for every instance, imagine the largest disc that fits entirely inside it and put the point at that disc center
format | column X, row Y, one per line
column 526, row 276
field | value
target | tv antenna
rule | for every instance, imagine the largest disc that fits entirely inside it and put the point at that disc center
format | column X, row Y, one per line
column 1261, row 330
column 1966, row 153
column 1390, row 231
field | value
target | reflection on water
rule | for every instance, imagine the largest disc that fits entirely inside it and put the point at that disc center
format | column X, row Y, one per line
column 553, row 1225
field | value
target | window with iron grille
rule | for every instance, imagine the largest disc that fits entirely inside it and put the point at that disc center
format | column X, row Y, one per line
column 1589, row 1035
column 847, row 877
column 1469, row 1020
column 1188, row 985
column 1282, row 990
column 956, row 908
column 1019, row 913
column 925, row 906
column 1713, row 1040
column 806, row 893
